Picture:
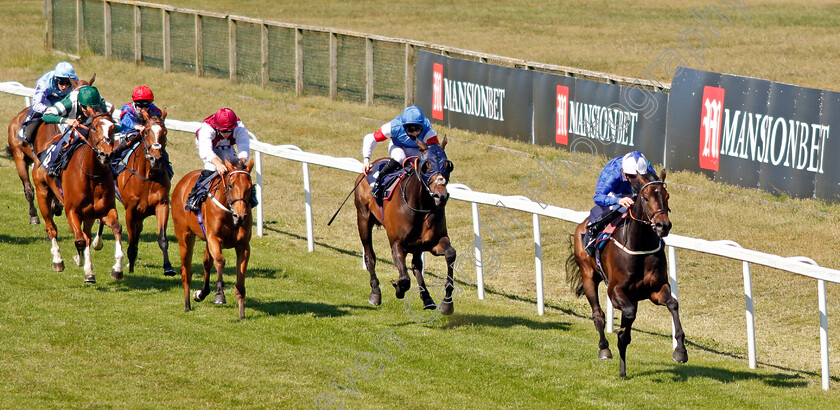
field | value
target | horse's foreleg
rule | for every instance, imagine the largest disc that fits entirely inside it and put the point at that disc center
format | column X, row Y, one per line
column 403, row 283
column 207, row 263
column 113, row 221
column 134, row 224
column 162, row 215
column 590, row 289
column 365, row 230
column 215, row 250
column 447, row 306
column 417, row 267
column 97, row 240
column 82, row 243
column 663, row 297
column 242, row 256
column 23, row 173
column 49, row 226
column 628, row 316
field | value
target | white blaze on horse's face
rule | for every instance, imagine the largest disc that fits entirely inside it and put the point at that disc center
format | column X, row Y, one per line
column 106, row 126
column 440, row 180
column 156, row 131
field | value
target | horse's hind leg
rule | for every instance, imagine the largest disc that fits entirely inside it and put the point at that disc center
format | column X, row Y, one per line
column 162, row 214
column 403, row 283
column 590, row 289
column 365, row 230
column 23, row 173
column 663, row 297
column 628, row 316
column 417, row 267
column 214, row 248
column 186, row 243
column 113, row 221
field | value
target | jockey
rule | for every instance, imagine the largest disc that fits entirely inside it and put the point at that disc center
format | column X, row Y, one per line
column 131, row 114
column 215, row 141
column 76, row 109
column 614, row 193
column 403, row 132
column 51, row 88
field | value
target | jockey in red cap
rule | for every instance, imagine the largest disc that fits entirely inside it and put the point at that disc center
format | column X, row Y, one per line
column 215, row 140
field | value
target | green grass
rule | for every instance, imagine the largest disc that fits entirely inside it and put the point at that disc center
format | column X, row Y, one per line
column 129, row 343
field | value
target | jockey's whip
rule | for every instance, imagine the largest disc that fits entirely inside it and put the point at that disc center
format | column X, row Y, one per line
column 345, row 199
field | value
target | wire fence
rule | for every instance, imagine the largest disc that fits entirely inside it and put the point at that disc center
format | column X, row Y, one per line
column 311, row 60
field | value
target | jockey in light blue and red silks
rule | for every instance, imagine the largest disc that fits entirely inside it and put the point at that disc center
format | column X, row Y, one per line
column 51, row 88
column 142, row 99
column 215, row 140
column 403, row 131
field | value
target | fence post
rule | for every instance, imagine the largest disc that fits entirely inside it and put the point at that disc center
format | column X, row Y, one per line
column 298, row 61
column 80, row 25
column 107, row 18
column 264, row 54
column 826, row 375
column 48, row 11
column 138, row 36
column 199, row 50
column 258, row 167
column 232, row 48
column 167, row 45
column 748, row 298
column 410, row 55
column 368, row 71
column 333, row 66
column 479, row 267
column 675, row 291
column 538, row 264
column 310, row 239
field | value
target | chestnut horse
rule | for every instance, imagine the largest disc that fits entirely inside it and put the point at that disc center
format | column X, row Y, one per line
column 415, row 221
column 226, row 216
column 24, row 157
column 633, row 261
column 86, row 190
column 144, row 190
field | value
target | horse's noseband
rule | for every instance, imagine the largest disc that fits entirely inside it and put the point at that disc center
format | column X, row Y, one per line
column 652, row 215
column 229, row 208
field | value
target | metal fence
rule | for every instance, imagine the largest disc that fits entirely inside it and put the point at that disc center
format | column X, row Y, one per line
column 307, row 59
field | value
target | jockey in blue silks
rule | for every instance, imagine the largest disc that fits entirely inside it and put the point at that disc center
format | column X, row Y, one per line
column 142, row 99
column 403, row 131
column 51, row 88
column 614, row 193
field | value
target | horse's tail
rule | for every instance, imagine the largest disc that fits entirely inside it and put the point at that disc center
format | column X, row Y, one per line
column 9, row 151
column 573, row 275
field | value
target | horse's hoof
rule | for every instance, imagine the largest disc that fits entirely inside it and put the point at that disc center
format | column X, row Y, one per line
column 97, row 243
column 168, row 271
column 429, row 304
column 58, row 267
column 117, row 275
column 130, row 268
column 375, row 299
column 447, row 308
column 78, row 260
column 197, row 296
column 219, row 299
column 680, row 355
column 34, row 221
column 90, row 278
column 605, row 354
column 400, row 289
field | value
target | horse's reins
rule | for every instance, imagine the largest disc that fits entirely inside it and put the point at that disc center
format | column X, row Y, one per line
column 648, row 222
column 87, row 142
column 230, row 203
column 145, row 150
column 423, row 183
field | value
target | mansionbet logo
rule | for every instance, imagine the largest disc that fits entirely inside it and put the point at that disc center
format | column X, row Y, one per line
column 437, row 93
column 710, row 126
column 562, row 118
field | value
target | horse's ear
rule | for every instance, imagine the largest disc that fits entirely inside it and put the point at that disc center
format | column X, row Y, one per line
column 111, row 111
column 662, row 176
column 163, row 114
column 250, row 165
column 422, row 145
column 444, row 142
column 92, row 79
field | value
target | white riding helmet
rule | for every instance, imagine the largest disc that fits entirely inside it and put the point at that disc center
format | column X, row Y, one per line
column 634, row 163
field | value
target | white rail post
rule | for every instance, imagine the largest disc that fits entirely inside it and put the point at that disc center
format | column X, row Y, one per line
column 750, row 307
column 538, row 265
column 310, row 240
column 258, row 166
column 479, row 269
column 675, row 291
column 826, row 377
column 610, row 314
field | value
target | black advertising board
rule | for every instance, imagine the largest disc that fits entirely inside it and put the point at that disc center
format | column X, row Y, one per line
column 753, row 133
column 589, row 116
column 475, row 96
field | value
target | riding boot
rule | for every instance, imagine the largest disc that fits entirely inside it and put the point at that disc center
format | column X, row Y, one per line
column 30, row 130
column 594, row 229
column 378, row 189
column 199, row 191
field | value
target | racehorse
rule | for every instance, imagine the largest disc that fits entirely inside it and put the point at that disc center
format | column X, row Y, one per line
column 85, row 189
column 415, row 220
column 634, row 267
column 23, row 155
column 144, row 190
column 224, row 223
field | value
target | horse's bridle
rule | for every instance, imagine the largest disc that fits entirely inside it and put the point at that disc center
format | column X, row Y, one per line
column 229, row 208
column 155, row 145
column 86, row 140
column 649, row 216
column 424, row 185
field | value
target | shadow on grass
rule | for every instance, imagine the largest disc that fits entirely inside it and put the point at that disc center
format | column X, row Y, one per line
column 685, row 372
column 357, row 254
column 25, row 240
column 503, row 322
column 295, row 307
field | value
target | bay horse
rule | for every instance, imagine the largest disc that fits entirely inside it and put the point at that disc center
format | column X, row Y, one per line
column 144, row 190
column 414, row 218
column 634, row 266
column 225, row 223
column 23, row 155
column 85, row 190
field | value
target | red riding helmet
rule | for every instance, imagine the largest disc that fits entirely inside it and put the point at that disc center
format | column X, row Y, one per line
column 225, row 119
column 142, row 93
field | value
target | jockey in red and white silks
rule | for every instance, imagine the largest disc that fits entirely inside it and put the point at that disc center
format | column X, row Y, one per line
column 216, row 137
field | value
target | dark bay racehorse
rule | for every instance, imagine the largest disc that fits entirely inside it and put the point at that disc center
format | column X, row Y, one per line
column 415, row 221
column 144, row 189
column 24, row 157
column 634, row 264
column 86, row 190
column 227, row 219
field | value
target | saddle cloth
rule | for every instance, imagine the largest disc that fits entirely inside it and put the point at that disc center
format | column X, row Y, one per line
column 390, row 181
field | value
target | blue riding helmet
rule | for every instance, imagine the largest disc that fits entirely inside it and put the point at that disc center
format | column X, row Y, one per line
column 412, row 115
column 65, row 70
